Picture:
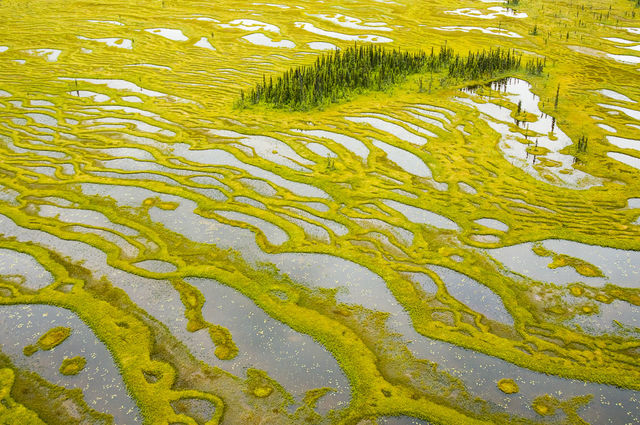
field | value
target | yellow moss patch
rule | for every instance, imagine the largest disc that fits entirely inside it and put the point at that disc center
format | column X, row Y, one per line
column 562, row 260
column 508, row 386
column 604, row 299
column 10, row 411
column 29, row 350
column 523, row 116
column 53, row 337
column 556, row 310
column 588, row 270
column 226, row 349
column 169, row 206
column 195, row 325
column 537, row 150
column 6, row 382
column 541, row 251
column 587, row 309
column 311, row 397
column 576, row 291
column 224, row 352
column 545, row 405
column 546, row 162
column 73, row 366
column 262, row 392
column 260, row 385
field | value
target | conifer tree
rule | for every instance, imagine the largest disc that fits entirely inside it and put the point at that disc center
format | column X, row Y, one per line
column 343, row 73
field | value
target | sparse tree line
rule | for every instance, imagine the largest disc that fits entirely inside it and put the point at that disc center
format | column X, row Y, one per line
column 489, row 63
column 337, row 75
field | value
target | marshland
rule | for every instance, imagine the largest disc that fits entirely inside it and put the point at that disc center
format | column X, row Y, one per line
column 338, row 212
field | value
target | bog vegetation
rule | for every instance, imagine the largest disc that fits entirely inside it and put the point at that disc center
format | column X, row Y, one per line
column 338, row 75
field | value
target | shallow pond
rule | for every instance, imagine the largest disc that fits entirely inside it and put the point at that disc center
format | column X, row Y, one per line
column 99, row 381
column 619, row 267
column 294, row 360
column 516, row 144
column 138, row 104
column 13, row 263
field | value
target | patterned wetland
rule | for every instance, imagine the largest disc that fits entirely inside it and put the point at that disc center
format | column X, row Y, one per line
column 171, row 255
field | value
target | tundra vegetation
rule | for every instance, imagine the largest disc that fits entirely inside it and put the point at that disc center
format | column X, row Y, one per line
column 319, row 212
column 342, row 74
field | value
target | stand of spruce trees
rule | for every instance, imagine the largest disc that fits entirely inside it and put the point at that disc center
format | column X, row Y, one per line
column 336, row 75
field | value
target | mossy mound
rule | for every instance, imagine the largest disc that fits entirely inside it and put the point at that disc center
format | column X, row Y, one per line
column 260, row 385
column 29, row 350
column 262, row 392
column 588, row 309
column 168, row 206
column 537, row 150
column 508, row 386
column 53, row 337
column 226, row 349
column 545, row 405
column 562, row 260
column 73, row 366
column 576, row 291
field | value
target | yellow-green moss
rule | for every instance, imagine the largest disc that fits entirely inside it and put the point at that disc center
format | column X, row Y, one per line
column 508, row 386
column 225, row 347
column 72, row 366
column 592, row 216
column 537, row 150
column 6, row 383
column 576, row 291
column 53, row 337
column 545, row 405
column 29, row 350
column 53, row 404
column 261, row 385
column 561, row 260
column 10, row 411
column 262, row 392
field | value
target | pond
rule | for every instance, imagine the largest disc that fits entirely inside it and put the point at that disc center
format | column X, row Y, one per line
column 439, row 227
column 100, row 380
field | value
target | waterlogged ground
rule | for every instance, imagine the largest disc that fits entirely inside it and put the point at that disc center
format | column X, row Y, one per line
column 386, row 260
